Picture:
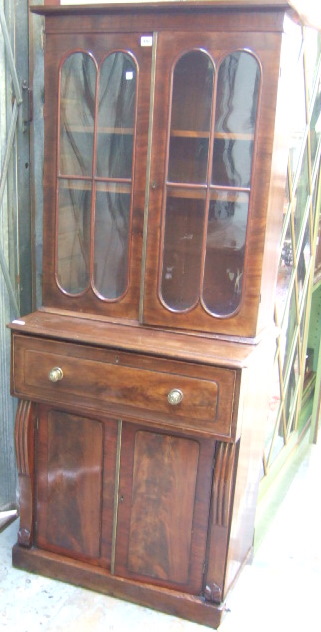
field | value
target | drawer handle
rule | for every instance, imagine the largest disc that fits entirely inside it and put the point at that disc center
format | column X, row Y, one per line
column 55, row 374
column 175, row 396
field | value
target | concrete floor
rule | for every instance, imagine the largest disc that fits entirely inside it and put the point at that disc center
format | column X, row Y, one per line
column 279, row 592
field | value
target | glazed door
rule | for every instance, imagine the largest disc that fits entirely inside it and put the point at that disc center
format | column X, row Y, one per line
column 163, row 509
column 206, row 208
column 75, row 470
column 97, row 107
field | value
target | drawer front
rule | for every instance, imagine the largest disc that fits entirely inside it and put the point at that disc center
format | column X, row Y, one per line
column 108, row 382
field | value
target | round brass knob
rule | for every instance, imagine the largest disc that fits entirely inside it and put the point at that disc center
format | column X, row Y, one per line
column 55, row 374
column 175, row 396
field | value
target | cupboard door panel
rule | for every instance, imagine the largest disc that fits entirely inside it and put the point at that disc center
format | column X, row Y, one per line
column 162, row 501
column 69, row 483
column 163, row 508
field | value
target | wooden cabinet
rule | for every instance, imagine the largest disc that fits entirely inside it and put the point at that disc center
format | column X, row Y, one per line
column 142, row 379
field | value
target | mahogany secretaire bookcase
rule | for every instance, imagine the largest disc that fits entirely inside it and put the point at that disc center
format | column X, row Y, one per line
column 143, row 378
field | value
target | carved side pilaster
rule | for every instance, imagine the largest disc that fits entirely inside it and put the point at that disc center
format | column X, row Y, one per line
column 222, row 483
column 222, row 492
column 24, row 444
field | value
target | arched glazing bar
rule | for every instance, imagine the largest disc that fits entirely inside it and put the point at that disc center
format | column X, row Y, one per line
column 96, row 130
column 213, row 118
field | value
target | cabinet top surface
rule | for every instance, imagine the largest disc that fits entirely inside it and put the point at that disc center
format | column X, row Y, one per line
column 151, row 341
column 306, row 11
column 166, row 5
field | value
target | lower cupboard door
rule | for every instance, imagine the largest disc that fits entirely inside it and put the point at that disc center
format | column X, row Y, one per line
column 74, row 509
column 163, row 508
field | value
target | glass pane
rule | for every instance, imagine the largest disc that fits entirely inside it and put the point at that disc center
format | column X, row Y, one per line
column 111, row 241
column 191, row 118
column 289, row 327
column 77, row 107
column 225, row 247
column 304, row 260
column 285, row 272
column 301, row 195
column 303, row 319
column 318, row 252
column 188, row 160
column 297, row 116
column 116, row 119
column 183, row 240
column 74, row 204
column 315, row 198
column 312, row 51
column 316, row 124
column 237, row 97
column 273, row 440
column 291, row 391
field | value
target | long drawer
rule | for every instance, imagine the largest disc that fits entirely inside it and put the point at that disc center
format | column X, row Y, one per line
column 108, row 382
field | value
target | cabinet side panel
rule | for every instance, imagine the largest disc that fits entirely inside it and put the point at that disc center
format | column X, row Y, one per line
column 255, row 388
column 69, row 484
column 162, row 503
column 277, row 199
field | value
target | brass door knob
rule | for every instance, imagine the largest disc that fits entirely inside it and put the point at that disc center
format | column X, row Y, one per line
column 56, row 374
column 175, row 396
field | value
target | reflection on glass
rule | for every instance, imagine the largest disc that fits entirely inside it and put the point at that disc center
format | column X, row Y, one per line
column 318, row 246
column 315, row 201
column 191, row 117
column 297, row 114
column 285, row 273
column 111, row 243
column 304, row 260
column 237, row 98
column 117, row 95
column 312, row 50
column 315, row 132
column 301, row 195
column 77, row 107
column 273, row 440
column 318, row 254
column 188, row 160
column 73, row 237
column 182, row 252
column 291, row 392
column 225, row 248
column 302, row 321
column 289, row 327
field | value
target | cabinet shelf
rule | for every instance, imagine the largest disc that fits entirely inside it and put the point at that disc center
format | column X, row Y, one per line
column 178, row 133
column 89, row 129
column 199, row 193
column 67, row 182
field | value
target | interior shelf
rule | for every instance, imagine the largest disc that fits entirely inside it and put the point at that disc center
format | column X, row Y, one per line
column 69, row 183
column 179, row 133
column 88, row 129
column 199, row 192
